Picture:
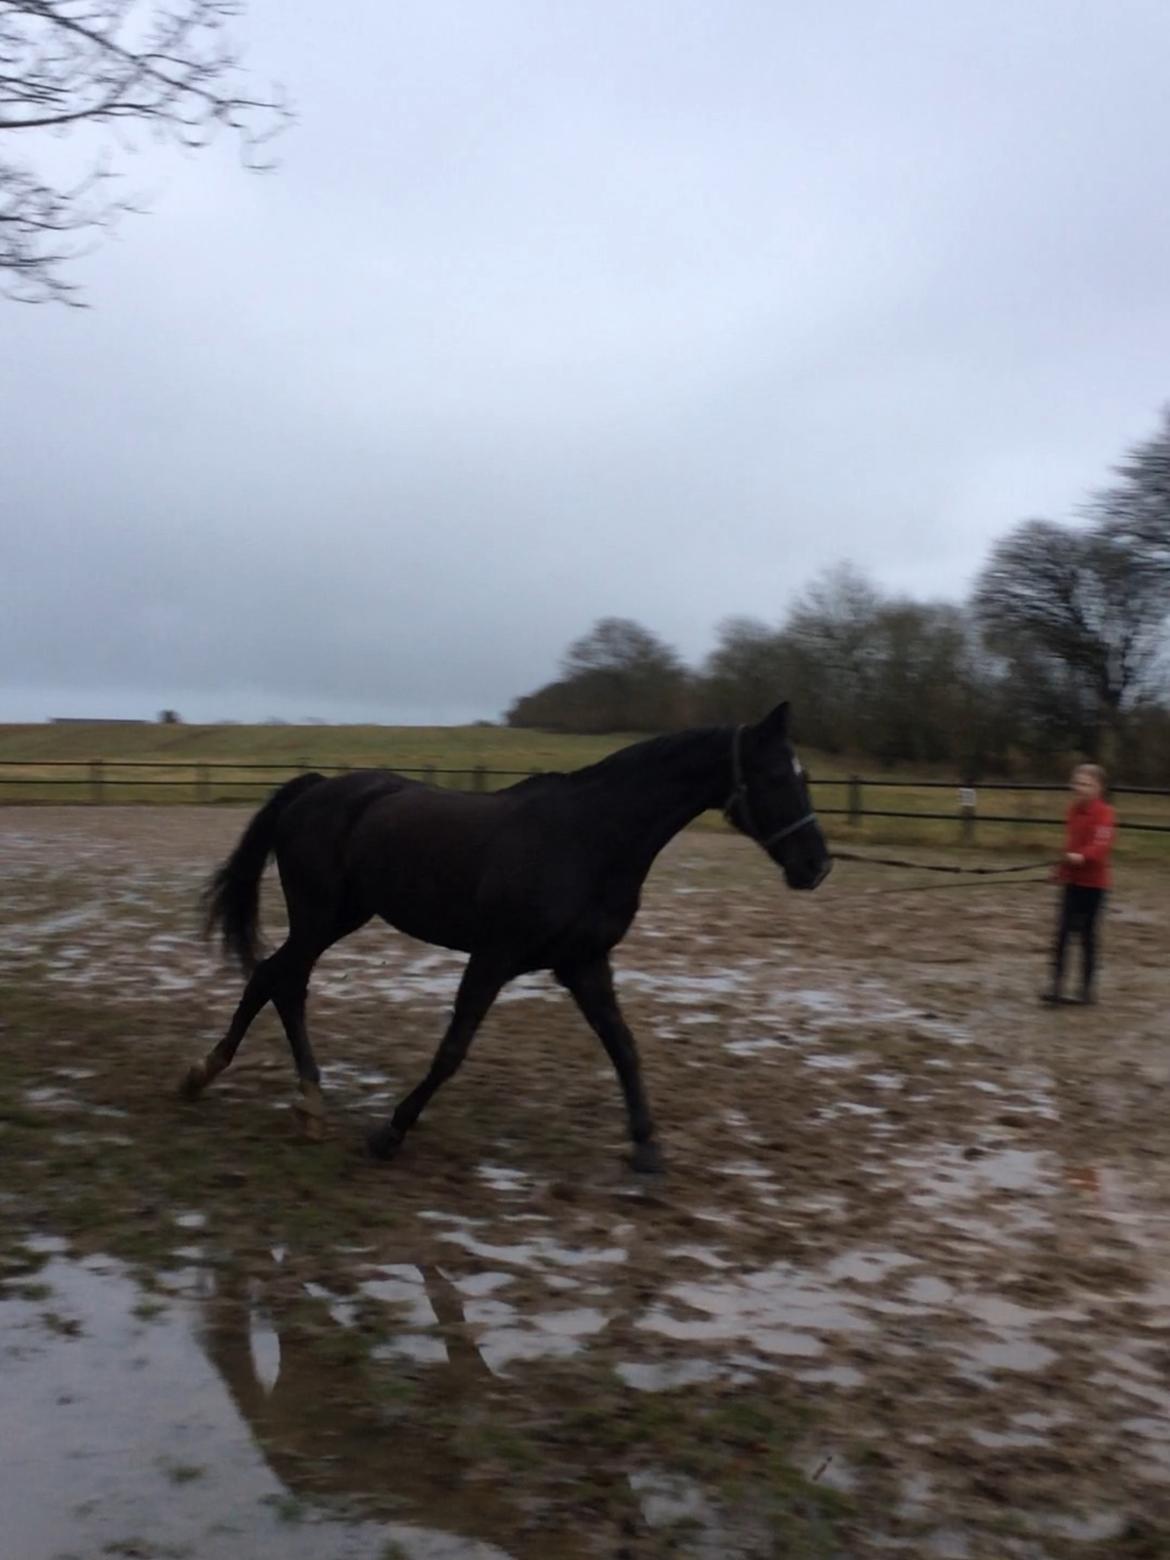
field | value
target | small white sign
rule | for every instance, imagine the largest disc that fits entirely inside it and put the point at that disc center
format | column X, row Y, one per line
column 966, row 796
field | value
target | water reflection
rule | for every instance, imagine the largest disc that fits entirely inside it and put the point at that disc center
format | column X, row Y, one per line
column 223, row 1421
column 338, row 1418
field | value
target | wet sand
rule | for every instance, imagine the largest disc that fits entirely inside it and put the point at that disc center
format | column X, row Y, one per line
column 903, row 1288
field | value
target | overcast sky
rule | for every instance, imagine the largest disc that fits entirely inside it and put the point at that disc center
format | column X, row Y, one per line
column 564, row 308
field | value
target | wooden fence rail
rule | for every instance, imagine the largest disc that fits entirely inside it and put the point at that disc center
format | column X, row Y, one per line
column 855, row 797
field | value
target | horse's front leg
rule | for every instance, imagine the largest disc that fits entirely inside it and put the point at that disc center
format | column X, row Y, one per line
column 591, row 986
column 481, row 983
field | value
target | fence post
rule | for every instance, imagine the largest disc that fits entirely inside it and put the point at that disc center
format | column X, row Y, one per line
column 97, row 787
column 1023, row 810
column 855, row 807
column 428, row 774
column 967, row 811
column 479, row 778
column 202, row 784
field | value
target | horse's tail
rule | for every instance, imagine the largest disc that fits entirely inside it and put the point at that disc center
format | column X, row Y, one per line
column 231, row 900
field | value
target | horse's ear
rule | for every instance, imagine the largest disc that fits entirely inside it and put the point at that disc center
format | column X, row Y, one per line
column 775, row 723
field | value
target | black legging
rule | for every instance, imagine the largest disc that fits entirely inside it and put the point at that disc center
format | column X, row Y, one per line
column 1079, row 910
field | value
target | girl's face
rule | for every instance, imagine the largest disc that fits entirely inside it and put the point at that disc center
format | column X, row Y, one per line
column 1085, row 786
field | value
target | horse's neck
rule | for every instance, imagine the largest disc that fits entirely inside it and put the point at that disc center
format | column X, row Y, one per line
column 649, row 804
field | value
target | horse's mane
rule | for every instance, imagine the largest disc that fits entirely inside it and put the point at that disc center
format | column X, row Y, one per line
column 654, row 750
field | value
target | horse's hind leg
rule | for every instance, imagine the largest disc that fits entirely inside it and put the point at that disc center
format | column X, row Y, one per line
column 282, row 980
column 290, row 997
column 311, row 931
column 260, row 989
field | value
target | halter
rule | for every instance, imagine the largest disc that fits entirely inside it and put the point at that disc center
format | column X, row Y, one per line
column 739, row 798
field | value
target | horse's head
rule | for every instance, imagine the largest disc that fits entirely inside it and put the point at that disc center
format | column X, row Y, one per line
column 769, row 801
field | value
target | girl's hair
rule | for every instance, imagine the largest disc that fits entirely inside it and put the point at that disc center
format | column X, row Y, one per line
column 1096, row 771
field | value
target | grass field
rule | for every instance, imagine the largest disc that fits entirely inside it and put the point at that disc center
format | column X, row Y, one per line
column 237, row 764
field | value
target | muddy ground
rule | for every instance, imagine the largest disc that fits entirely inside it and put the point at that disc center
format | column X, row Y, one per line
column 903, row 1289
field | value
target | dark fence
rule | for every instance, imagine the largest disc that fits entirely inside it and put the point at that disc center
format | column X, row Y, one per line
column 118, row 780
column 967, row 810
column 856, row 798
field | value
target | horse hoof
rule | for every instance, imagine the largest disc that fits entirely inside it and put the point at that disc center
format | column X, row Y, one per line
column 194, row 1082
column 646, row 1159
column 383, row 1142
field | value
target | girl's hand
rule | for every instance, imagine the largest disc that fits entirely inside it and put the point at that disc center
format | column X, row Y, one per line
column 1074, row 860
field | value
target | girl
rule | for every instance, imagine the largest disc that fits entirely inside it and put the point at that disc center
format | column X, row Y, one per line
column 1084, row 871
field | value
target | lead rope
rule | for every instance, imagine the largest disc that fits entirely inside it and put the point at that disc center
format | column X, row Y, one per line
column 927, row 866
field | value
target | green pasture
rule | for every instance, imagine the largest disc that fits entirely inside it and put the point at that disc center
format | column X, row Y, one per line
column 131, row 763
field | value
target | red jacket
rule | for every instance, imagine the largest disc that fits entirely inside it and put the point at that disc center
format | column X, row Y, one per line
column 1088, row 833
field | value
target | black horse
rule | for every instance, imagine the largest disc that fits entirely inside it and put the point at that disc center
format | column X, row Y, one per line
column 546, row 875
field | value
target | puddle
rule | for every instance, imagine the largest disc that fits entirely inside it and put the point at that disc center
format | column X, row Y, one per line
column 501, row 1178
column 421, row 1348
column 925, row 1290
column 666, row 1377
column 746, row 1170
column 948, row 1544
column 1013, row 1354
column 700, row 1254
column 51, row 1098
column 753, row 1047
column 194, row 1429
column 843, row 1376
column 539, row 1253
column 829, row 1469
column 403, row 1288
column 1094, row 1528
column 946, row 1178
column 504, row 1335
column 781, row 1310
column 667, row 1498
column 707, row 1531
column 482, row 1283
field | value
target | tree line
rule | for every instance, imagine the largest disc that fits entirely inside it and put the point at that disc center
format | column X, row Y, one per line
column 1059, row 651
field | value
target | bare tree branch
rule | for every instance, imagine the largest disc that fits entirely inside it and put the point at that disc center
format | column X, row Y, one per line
column 1079, row 608
column 1136, row 509
column 168, row 66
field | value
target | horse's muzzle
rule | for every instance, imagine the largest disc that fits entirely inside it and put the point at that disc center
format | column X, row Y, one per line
column 807, row 883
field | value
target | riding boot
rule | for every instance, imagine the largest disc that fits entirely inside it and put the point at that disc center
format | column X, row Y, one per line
column 1051, row 995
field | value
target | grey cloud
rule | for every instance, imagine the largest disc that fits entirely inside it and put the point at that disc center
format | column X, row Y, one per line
column 556, row 312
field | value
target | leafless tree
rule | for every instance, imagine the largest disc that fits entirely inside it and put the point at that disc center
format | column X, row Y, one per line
column 1136, row 508
column 617, row 677
column 747, row 672
column 1082, row 609
column 110, row 70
